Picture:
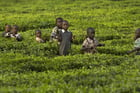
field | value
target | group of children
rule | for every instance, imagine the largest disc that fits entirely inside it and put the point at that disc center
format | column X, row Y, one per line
column 64, row 38
column 12, row 32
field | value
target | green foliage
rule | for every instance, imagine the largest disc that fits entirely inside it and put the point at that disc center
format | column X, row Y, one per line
column 31, row 67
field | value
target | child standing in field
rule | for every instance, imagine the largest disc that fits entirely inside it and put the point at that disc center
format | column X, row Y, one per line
column 38, row 36
column 90, row 43
column 7, row 31
column 15, row 34
column 65, row 39
column 56, row 30
column 136, row 43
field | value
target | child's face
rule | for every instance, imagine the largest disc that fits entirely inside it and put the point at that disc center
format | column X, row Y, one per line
column 7, row 28
column 38, row 34
column 91, row 33
column 59, row 23
column 65, row 25
column 14, row 30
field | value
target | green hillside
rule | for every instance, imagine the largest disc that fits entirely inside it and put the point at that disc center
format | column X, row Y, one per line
column 30, row 67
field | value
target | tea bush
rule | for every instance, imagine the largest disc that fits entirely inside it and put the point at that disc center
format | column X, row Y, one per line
column 31, row 67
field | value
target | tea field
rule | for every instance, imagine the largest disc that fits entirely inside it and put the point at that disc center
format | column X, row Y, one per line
column 31, row 67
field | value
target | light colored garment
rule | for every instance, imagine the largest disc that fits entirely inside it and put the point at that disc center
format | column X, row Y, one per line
column 90, row 44
column 64, row 31
column 17, row 36
column 6, row 34
column 40, row 40
column 137, row 43
column 54, row 34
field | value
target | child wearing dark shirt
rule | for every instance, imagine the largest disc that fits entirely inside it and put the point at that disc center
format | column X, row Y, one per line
column 65, row 39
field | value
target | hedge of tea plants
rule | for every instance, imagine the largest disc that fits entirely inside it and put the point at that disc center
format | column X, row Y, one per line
column 31, row 67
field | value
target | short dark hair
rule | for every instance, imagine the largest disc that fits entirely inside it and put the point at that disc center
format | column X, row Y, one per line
column 90, row 28
column 138, row 29
column 15, row 26
column 59, row 18
column 65, row 21
column 37, row 31
column 7, row 25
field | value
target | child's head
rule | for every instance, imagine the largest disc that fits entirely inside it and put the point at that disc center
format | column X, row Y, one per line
column 38, row 33
column 59, row 22
column 90, row 32
column 137, row 33
column 65, row 25
column 15, row 29
column 7, row 28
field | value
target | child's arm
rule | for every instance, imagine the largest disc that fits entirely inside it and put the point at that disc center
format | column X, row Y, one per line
column 51, row 37
column 7, row 35
column 85, row 48
column 18, row 37
column 4, row 34
column 98, row 44
column 134, row 50
column 101, row 44
column 71, row 37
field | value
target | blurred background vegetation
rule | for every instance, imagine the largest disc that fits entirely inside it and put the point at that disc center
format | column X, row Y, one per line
column 29, row 67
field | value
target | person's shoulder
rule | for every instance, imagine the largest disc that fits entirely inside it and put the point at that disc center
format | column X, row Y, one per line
column 36, row 38
column 18, row 34
column 55, row 28
column 137, row 40
column 86, row 39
